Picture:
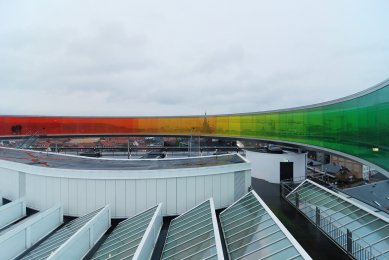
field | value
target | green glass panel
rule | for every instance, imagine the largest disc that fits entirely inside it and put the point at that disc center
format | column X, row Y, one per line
column 197, row 243
column 269, row 223
column 262, row 247
column 247, row 214
column 206, row 232
column 196, row 218
column 125, row 238
column 248, row 200
column 253, row 237
column 205, row 249
column 190, row 214
column 257, row 221
column 353, row 126
column 192, row 226
column 377, row 235
column 256, row 209
column 284, row 254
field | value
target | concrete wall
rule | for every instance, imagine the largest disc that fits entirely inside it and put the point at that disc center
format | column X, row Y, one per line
column 266, row 166
column 127, row 192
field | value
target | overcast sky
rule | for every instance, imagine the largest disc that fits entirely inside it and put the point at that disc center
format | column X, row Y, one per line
column 135, row 58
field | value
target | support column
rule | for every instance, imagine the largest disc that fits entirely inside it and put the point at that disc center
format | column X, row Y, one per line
column 349, row 242
column 317, row 216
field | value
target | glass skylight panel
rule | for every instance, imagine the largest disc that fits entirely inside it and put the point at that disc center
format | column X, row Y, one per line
column 126, row 237
column 368, row 229
column 194, row 235
column 251, row 231
column 59, row 237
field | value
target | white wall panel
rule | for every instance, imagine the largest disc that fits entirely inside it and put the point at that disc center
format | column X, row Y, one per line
column 171, row 196
column 42, row 187
column 100, row 194
column 266, row 166
column 64, row 194
column 78, row 245
column 36, row 193
column 25, row 234
column 161, row 194
column 216, row 190
column 53, row 191
column 181, row 194
column 73, row 197
column 9, row 184
column 110, row 195
column 147, row 244
column 141, row 195
column 81, row 195
column 44, row 222
column 151, row 193
column 12, row 211
column 30, row 191
column 130, row 197
column 228, row 195
column 190, row 192
column 208, row 187
column 50, row 191
column 90, row 195
column 248, row 179
column 12, row 247
column 224, row 189
column 22, row 184
column 128, row 193
column 200, row 190
column 120, row 202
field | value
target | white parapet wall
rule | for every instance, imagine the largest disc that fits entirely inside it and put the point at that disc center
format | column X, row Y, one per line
column 146, row 245
column 266, row 166
column 79, row 244
column 18, row 239
column 128, row 192
column 12, row 212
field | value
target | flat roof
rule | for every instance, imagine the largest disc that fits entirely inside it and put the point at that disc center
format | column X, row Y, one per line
column 63, row 161
column 374, row 194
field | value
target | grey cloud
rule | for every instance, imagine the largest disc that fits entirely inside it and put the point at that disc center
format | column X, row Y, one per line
column 167, row 58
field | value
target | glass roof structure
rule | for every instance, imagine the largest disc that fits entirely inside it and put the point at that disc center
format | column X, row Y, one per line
column 251, row 231
column 194, row 235
column 353, row 226
column 126, row 238
column 60, row 236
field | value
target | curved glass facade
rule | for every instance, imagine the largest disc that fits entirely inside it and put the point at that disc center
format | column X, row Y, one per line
column 358, row 126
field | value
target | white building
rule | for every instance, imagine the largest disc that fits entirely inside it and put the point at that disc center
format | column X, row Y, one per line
column 128, row 186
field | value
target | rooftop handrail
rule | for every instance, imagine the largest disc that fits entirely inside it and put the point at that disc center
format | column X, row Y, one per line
column 341, row 228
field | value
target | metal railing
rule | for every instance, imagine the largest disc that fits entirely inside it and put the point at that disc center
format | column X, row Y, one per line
column 356, row 247
column 29, row 140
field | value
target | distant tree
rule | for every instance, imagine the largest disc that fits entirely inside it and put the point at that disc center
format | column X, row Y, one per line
column 342, row 175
